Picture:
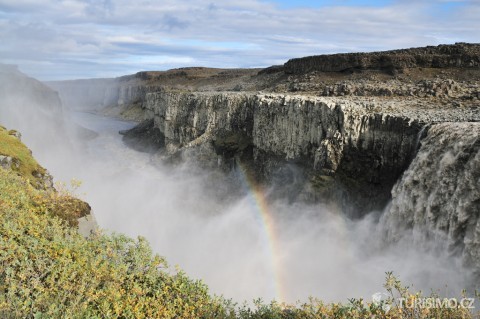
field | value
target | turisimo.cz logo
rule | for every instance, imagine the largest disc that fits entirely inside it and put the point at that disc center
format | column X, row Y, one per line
column 384, row 301
column 429, row 303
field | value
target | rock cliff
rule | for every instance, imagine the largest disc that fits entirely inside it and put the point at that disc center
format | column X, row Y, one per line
column 100, row 94
column 87, row 94
column 438, row 197
column 350, row 150
column 445, row 73
column 460, row 55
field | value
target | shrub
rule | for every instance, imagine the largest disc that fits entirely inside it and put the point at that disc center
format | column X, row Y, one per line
column 50, row 271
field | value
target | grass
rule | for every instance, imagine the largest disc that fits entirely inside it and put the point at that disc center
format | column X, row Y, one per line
column 11, row 146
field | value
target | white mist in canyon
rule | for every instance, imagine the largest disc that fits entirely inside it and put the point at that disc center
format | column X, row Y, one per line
column 223, row 241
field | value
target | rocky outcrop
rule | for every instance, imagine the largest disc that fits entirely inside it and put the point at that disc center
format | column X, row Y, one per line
column 7, row 162
column 15, row 156
column 445, row 89
column 459, row 55
column 438, row 197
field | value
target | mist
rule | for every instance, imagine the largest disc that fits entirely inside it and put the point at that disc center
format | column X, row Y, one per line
column 222, row 240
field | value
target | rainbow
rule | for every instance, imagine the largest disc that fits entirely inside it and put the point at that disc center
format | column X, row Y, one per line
column 258, row 199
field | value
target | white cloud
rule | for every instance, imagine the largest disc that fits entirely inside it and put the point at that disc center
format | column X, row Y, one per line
column 227, row 34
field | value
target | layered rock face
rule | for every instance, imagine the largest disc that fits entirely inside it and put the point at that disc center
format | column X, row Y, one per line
column 460, row 55
column 358, row 147
column 438, row 197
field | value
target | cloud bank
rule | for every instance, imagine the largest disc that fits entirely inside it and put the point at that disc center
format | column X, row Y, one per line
column 67, row 39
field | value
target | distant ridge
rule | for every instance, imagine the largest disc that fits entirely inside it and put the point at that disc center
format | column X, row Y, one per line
column 458, row 55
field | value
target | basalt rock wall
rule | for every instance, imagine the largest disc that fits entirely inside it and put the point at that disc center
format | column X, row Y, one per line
column 459, row 55
column 335, row 144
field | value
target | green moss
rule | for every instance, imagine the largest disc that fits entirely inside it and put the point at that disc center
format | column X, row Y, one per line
column 11, row 146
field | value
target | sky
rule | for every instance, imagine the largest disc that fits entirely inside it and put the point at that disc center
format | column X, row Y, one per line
column 70, row 39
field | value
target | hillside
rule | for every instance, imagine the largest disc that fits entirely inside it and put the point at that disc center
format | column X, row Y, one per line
column 49, row 270
column 16, row 156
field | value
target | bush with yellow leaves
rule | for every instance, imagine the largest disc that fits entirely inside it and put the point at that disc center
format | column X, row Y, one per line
column 49, row 271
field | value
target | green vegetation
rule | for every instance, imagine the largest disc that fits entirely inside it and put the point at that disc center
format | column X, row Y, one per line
column 47, row 270
column 11, row 146
column 58, row 203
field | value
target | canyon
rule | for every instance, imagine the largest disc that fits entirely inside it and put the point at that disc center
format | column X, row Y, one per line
column 393, row 132
column 346, row 130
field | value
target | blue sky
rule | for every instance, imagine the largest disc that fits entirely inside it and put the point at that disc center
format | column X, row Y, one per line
column 329, row 3
column 68, row 39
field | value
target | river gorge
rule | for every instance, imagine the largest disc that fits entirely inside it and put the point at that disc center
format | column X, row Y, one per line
column 277, row 195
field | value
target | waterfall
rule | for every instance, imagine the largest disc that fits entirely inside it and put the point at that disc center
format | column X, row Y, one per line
column 437, row 200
